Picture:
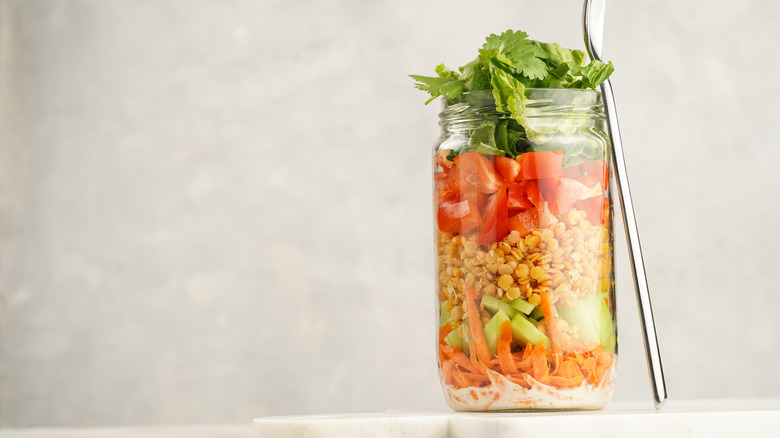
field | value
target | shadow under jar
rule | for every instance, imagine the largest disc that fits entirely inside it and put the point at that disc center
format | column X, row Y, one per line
column 524, row 241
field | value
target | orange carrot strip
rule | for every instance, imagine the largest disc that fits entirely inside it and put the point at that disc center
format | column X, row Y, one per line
column 443, row 356
column 476, row 377
column 520, row 380
column 443, row 332
column 477, row 335
column 552, row 330
column 568, row 369
column 473, row 356
column 541, row 370
column 446, row 372
column 588, row 367
column 460, row 379
column 526, row 364
column 462, row 360
column 565, row 382
column 505, row 350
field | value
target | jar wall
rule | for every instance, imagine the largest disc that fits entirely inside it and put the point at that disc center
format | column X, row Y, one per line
column 524, row 244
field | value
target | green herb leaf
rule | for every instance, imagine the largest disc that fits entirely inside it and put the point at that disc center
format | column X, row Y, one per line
column 451, row 88
column 508, row 64
column 520, row 53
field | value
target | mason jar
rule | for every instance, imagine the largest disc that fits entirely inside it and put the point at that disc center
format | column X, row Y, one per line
column 524, row 253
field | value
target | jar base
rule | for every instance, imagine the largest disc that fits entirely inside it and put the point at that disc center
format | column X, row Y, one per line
column 503, row 395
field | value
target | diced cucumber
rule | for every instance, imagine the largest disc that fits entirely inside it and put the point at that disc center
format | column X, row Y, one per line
column 523, row 306
column 493, row 304
column 608, row 339
column 493, row 328
column 537, row 314
column 602, row 320
column 524, row 331
column 579, row 316
column 453, row 339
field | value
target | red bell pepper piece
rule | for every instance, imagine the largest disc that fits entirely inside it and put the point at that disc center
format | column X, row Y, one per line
column 524, row 222
column 457, row 216
column 536, row 165
column 596, row 208
column 598, row 172
column 477, row 171
column 495, row 217
column 518, row 197
column 508, row 168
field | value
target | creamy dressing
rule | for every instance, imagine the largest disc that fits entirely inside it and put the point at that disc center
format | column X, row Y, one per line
column 504, row 394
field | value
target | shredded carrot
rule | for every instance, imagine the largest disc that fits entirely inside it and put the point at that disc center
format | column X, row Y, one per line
column 443, row 354
column 446, row 371
column 568, row 374
column 462, row 360
column 565, row 382
column 477, row 335
column 443, row 332
column 476, row 377
column 460, row 379
column 472, row 356
column 504, row 349
column 541, row 370
column 552, row 331
column 446, row 352
column 526, row 364
column 520, row 380
column 603, row 362
column 588, row 367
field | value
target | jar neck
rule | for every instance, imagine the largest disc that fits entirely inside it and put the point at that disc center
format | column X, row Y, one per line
column 539, row 107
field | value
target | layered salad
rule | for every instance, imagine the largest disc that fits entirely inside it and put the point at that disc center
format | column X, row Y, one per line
column 525, row 282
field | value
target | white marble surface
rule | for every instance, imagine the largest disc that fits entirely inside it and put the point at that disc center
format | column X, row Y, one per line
column 758, row 418
column 164, row 431
column 376, row 425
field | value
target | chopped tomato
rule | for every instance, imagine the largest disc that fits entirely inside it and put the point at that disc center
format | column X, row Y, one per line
column 596, row 208
column 598, row 172
column 494, row 219
column 549, row 190
column 457, row 217
column 543, row 193
column 574, row 172
column 571, row 191
column 525, row 222
column 533, row 192
column 478, row 171
column 508, row 168
column 441, row 161
column 448, row 184
column 536, row 165
column 518, row 197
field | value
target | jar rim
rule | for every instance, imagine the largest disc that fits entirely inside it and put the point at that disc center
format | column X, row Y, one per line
column 547, row 100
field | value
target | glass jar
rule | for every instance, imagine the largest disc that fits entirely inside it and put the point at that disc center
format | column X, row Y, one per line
column 524, row 239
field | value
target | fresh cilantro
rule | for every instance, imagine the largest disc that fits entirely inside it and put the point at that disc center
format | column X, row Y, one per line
column 508, row 64
column 439, row 86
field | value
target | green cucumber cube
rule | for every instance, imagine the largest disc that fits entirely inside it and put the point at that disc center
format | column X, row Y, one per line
column 579, row 316
column 524, row 331
column 494, row 304
column 523, row 306
column 453, row 339
column 446, row 316
column 493, row 328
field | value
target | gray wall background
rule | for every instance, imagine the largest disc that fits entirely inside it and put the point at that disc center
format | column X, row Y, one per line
column 217, row 210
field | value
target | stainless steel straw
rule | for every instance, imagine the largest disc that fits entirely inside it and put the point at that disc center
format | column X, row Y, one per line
column 593, row 28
